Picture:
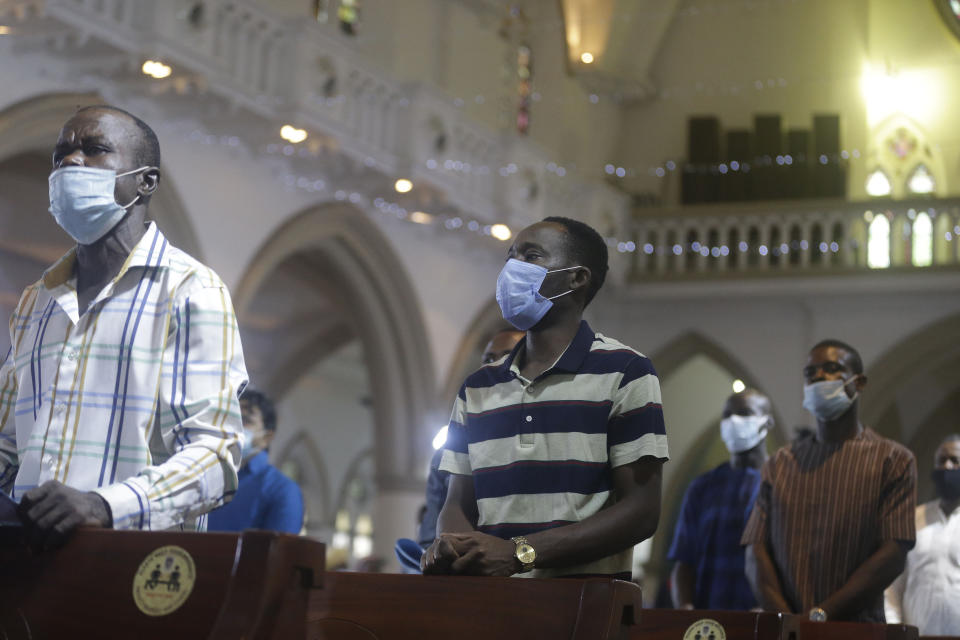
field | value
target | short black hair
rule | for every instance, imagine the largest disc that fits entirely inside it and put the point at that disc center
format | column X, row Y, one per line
column 588, row 248
column 260, row 400
column 148, row 152
column 856, row 363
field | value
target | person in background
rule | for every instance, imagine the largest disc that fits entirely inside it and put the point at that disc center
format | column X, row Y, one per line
column 834, row 519
column 927, row 593
column 265, row 499
column 555, row 452
column 708, row 570
column 499, row 347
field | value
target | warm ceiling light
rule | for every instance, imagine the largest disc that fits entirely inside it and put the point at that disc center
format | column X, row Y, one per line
column 501, row 232
column 4, row 30
column 156, row 69
column 403, row 185
column 586, row 57
column 421, row 217
column 738, row 386
column 292, row 134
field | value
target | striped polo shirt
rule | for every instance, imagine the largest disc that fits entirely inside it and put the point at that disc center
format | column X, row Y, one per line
column 540, row 451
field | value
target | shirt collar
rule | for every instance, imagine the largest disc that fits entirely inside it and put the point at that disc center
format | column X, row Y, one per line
column 570, row 360
column 258, row 463
column 148, row 252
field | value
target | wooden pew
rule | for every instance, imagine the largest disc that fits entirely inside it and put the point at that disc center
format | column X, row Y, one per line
column 358, row 606
column 661, row 624
column 254, row 585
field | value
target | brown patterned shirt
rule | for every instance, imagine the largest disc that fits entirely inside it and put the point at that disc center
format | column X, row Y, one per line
column 824, row 508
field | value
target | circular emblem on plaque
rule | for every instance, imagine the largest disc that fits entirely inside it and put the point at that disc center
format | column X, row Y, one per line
column 705, row 629
column 164, row 581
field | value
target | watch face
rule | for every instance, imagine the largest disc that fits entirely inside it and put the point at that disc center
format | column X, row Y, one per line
column 526, row 554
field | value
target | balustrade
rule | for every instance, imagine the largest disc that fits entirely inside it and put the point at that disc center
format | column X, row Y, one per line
column 794, row 238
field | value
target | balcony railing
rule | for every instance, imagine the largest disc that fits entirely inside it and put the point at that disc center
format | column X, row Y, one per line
column 801, row 238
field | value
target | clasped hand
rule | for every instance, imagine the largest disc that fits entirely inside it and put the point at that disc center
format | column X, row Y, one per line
column 52, row 511
column 472, row 553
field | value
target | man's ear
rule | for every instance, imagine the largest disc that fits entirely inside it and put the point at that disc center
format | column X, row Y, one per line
column 149, row 181
column 861, row 381
column 580, row 278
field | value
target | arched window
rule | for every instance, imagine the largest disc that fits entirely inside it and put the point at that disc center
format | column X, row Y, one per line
column 921, row 180
column 878, row 243
column 922, row 248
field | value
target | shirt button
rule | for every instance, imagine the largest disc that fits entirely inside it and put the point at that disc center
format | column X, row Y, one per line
column 529, row 418
column 48, row 460
column 72, row 355
column 61, row 407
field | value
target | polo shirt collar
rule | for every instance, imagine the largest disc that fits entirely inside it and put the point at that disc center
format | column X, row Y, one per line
column 570, row 360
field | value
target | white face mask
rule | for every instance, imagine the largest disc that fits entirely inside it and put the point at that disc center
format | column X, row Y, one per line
column 827, row 400
column 82, row 201
column 742, row 433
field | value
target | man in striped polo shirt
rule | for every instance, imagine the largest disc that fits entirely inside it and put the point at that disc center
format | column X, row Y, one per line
column 555, row 450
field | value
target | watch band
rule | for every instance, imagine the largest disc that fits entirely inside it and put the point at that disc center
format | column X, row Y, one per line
column 818, row 615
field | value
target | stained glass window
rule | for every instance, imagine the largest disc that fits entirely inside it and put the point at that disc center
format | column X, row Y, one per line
column 922, row 248
column 878, row 243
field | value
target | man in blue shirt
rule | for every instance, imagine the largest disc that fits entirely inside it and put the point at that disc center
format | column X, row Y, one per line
column 265, row 498
column 708, row 571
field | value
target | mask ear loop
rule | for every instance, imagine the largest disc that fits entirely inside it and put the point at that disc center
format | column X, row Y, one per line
column 127, row 173
column 560, row 295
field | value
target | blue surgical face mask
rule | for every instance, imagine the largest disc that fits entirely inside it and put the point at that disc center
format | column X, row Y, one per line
column 518, row 293
column 248, row 437
column 82, row 201
column 827, row 399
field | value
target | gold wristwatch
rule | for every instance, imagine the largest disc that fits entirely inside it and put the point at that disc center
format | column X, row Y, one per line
column 525, row 553
column 818, row 615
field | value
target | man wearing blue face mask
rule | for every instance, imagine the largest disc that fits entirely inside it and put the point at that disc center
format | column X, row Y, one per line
column 118, row 398
column 555, row 453
column 835, row 515
column 265, row 498
column 708, row 570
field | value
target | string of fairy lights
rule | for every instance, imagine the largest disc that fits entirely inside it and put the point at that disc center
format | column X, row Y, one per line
column 555, row 170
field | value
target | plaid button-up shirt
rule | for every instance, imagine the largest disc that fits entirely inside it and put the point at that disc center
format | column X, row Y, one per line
column 137, row 399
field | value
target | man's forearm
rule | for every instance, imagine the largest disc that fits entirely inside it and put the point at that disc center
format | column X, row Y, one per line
column 763, row 579
column 867, row 582
column 682, row 585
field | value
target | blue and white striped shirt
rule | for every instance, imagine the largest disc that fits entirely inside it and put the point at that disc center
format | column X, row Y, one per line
column 136, row 399
column 540, row 452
